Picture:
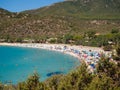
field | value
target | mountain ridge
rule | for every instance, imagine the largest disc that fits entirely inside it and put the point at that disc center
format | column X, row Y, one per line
column 73, row 17
column 85, row 9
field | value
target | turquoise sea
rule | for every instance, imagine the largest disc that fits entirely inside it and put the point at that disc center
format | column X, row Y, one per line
column 17, row 63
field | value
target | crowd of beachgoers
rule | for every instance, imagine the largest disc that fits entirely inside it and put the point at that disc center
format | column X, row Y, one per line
column 89, row 55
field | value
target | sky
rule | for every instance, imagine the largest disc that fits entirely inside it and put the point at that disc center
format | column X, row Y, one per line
column 21, row 5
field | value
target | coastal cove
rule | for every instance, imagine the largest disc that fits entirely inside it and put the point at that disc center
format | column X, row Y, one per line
column 28, row 62
column 17, row 63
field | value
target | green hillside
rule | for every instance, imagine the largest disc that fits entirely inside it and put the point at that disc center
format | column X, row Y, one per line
column 69, row 17
column 83, row 9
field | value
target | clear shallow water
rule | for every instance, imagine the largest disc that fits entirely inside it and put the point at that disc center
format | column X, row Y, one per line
column 17, row 63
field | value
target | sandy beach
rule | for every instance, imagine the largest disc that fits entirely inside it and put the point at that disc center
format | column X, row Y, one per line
column 55, row 47
column 90, row 55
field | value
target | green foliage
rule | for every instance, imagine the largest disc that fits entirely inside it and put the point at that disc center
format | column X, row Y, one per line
column 90, row 34
column 54, row 81
column 107, row 77
column 19, row 40
column 102, row 82
column 118, row 50
column 116, row 55
column 77, row 79
column 53, row 40
column 1, row 86
column 78, row 39
column 115, row 31
column 110, row 69
column 67, row 38
column 32, row 83
column 108, row 48
column 104, row 66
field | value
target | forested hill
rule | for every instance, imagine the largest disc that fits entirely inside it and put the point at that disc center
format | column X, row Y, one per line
column 84, row 9
column 72, row 16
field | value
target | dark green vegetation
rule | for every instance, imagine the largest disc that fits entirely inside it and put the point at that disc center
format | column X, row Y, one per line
column 91, row 38
column 82, row 9
column 86, row 22
column 106, row 77
column 69, row 17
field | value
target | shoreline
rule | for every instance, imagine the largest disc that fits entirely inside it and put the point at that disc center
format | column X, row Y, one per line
column 51, row 47
column 89, row 55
